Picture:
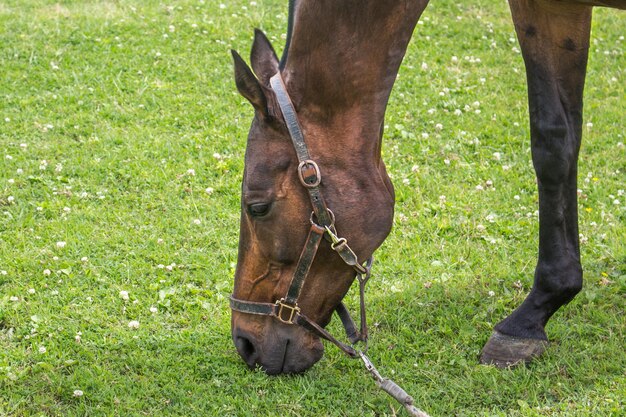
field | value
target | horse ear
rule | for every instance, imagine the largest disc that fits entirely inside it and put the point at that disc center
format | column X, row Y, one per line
column 263, row 57
column 248, row 85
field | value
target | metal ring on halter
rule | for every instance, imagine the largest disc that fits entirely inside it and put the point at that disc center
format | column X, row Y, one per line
column 332, row 218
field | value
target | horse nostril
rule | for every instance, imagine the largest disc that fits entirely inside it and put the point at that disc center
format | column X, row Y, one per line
column 246, row 349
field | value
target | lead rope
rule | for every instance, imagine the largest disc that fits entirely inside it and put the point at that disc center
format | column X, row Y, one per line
column 391, row 388
column 340, row 245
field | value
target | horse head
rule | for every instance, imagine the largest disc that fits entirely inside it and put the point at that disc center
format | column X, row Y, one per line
column 280, row 218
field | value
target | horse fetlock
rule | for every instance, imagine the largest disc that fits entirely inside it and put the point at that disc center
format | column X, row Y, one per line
column 562, row 281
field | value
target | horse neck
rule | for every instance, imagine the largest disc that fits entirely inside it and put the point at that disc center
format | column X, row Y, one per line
column 343, row 58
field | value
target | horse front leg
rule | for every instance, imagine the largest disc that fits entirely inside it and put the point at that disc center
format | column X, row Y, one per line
column 554, row 38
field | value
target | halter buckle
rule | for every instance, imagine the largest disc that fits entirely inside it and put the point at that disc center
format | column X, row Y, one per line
column 309, row 173
column 292, row 310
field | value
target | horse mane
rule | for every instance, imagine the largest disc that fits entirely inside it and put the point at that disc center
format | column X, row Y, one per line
column 292, row 7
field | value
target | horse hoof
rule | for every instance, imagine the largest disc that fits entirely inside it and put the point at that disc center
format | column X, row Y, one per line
column 508, row 351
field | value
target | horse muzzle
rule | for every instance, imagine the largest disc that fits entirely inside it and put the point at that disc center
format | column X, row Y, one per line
column 277, row 348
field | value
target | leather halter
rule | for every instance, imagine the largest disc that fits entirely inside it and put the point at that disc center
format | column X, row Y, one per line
column 322, row 222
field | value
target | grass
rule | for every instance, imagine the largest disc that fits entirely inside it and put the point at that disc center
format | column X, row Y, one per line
column 133, row 108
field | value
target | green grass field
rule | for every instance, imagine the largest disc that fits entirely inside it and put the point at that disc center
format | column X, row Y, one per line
column 122, row 139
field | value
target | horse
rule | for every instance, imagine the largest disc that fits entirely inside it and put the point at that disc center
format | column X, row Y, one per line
column 317, row 201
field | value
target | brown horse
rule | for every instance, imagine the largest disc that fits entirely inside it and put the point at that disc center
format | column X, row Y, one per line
column 314, row 179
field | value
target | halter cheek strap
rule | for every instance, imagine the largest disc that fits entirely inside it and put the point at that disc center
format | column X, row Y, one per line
column 308, row 171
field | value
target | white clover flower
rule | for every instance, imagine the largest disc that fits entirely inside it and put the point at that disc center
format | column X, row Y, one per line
column 197, row 221
column 31, row 291
column 42, row 349
column 78, row 393
column 3, row 272
column 491, row 293
column 209, row 190
column 61, row 244
column 191, row 172
column 14, row 299
column 84, row 259
column 154, row 309
column 46, row 272
column 124, row 295
column 133, row 324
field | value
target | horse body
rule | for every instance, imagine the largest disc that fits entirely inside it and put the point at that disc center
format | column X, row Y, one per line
column 341, row 61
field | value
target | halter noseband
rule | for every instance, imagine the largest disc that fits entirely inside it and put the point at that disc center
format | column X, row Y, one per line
column 322, row 222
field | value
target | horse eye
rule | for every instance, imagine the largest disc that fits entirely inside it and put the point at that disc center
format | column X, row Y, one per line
column 258, row 209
